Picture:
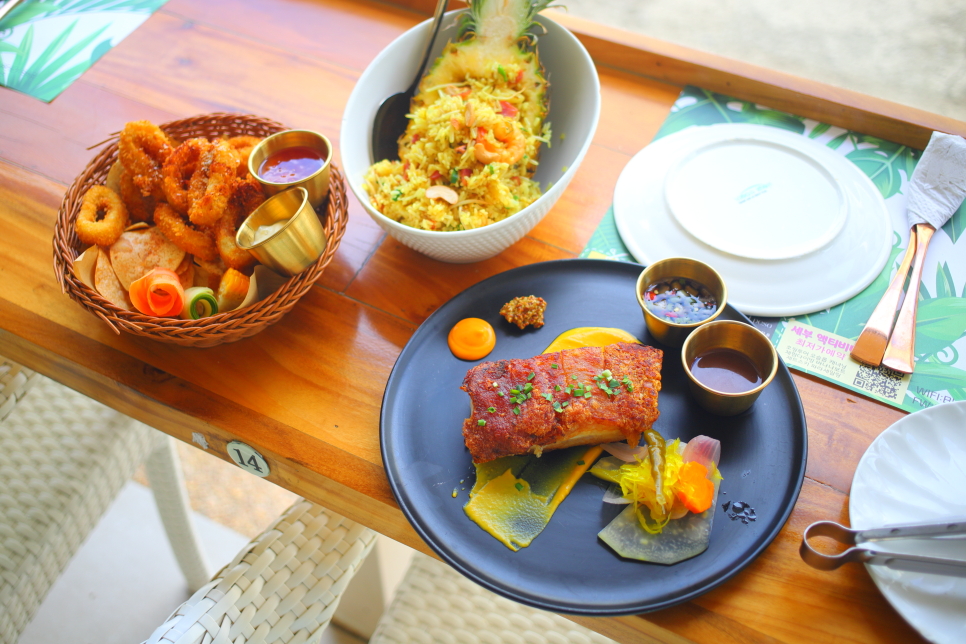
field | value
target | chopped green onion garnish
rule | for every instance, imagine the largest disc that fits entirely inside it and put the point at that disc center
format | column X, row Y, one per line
column 554, row 366
column 481, row 422
column 530, row 377
column 491, row 409
column 581, row 462
column 518, row 486
column 516, row 410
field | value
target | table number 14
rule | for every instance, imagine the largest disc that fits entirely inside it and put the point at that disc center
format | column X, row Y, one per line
column 245, row 457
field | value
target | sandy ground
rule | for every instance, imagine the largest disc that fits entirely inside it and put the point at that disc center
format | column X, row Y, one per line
column 913, row 53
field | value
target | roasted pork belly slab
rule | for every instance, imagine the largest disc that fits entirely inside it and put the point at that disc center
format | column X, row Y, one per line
column 580, row 396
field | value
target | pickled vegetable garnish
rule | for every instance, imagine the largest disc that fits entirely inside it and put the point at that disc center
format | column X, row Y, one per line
column 680, row 301
column 667, row 493
column 690, row 487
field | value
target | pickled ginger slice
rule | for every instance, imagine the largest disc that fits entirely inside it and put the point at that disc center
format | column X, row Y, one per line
column 686, row 534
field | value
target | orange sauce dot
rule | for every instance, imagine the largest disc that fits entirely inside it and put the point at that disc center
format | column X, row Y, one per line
column 471, row 339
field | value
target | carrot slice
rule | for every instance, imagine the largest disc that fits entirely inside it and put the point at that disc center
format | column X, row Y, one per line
column 694, row 488
column 158, row 293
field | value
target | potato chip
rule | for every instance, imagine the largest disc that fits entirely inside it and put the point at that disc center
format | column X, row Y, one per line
column 137, row 252
column 106, row 282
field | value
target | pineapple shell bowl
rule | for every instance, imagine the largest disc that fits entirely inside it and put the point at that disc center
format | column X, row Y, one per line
column 574, row 110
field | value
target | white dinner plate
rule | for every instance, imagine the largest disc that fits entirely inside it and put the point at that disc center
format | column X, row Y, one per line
column 914, row 472
column 791, row 225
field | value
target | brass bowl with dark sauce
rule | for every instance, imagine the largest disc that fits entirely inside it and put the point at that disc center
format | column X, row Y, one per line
column 728, row 364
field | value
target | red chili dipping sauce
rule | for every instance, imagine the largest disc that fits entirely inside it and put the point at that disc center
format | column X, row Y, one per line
column 726, row 370
column 291, row 164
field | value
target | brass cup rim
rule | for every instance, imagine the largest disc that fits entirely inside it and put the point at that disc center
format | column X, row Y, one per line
column 660, row 262
column 265, row 142
column 246, row 223
column 726, row 394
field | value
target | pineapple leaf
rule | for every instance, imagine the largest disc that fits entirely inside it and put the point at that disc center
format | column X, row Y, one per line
column 503, row 20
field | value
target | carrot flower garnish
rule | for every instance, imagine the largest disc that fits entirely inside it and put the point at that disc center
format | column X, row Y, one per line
column 158, row 293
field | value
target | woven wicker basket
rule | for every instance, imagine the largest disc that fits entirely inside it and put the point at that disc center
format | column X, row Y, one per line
column 217, row 329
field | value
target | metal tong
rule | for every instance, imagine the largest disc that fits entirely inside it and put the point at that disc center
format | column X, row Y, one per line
column 895, row 561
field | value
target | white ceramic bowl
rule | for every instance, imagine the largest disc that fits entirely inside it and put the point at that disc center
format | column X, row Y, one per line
column 574, row 111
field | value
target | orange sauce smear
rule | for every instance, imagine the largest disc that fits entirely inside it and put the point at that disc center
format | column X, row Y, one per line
column 471, row 339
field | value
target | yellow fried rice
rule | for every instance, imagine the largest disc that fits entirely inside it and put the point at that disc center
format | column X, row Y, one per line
column 439, row 149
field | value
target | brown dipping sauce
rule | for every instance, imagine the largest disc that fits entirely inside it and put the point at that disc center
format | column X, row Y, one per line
column 291, row 164
column 726, row 370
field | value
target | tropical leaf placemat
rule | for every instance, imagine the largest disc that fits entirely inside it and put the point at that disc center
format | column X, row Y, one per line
column 819, row 343
column 45, row 45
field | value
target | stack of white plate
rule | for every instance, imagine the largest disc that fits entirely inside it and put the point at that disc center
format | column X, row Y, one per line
column 791, row 225
column 913, row 473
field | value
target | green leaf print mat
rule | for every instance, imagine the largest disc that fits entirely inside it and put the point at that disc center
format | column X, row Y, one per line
column 45, row 45
column 819, row 343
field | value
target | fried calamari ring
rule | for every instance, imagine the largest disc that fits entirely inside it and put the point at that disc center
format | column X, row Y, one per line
column 246, row 196
column 182, row 234
column 139, row 207
column 143, row 148
column 243, row 145
column 219, row 166
column 179, row 170
column 101, row 230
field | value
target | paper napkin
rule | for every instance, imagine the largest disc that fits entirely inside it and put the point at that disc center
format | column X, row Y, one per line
column 938, row 183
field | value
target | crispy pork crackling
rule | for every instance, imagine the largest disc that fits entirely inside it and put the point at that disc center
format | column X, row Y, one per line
column 584, row 396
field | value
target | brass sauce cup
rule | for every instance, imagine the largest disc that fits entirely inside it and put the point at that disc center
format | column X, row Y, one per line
column 741, row 337
column 317, row 184
column 297, row 245
column 666, row 332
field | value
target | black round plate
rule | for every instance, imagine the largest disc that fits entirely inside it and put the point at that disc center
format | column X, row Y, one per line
column 567, row 569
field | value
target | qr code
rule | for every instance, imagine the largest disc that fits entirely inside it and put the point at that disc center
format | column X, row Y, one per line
column 879, row 380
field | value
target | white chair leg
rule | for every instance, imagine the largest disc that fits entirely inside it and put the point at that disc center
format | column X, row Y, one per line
column 167, row 483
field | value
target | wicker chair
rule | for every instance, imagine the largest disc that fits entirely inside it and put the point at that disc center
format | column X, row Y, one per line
column 284, row 587
column 434, row 604
column 65, row 458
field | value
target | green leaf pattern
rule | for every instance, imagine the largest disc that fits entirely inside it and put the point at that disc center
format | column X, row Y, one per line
column 43, row 51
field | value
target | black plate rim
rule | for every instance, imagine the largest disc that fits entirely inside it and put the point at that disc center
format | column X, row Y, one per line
column 783, row 376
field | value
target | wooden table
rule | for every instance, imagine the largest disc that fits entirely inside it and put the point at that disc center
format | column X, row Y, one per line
column 306, row 393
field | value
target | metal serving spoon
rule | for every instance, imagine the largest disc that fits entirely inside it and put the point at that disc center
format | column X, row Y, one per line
column 390, row 121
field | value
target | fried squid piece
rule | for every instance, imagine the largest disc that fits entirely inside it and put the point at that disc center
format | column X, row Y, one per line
column 584, row 396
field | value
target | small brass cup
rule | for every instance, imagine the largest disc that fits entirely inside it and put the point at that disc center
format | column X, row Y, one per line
column 317, row 183
column 740, row 337
column 673, row 335
column 297, row 244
